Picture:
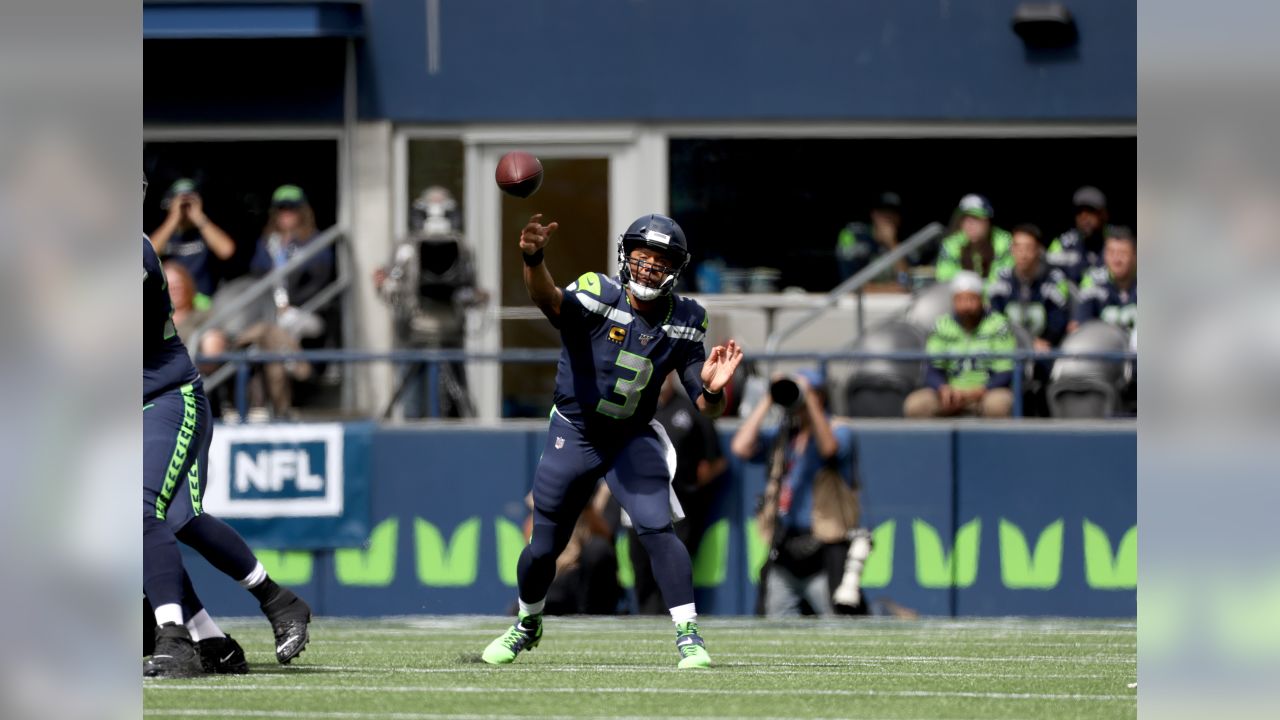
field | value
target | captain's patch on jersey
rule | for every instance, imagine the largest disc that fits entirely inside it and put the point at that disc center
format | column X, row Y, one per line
column 617, row 333
column 655, row 236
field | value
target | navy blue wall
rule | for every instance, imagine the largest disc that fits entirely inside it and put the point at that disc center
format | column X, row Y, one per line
column 969, row 521
column 743, row 59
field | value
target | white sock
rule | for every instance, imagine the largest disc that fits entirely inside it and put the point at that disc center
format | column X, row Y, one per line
column 169, row 613
column 202, row 627
column 255, row 578
column 532, row 608
column 681, row 614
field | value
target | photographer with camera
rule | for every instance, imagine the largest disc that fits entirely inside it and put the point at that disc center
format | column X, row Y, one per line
column 429, row 284
column 190, row 237
column 810, row 512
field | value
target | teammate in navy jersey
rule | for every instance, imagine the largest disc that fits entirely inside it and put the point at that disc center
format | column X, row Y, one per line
column 177, row 427
column 620, row 338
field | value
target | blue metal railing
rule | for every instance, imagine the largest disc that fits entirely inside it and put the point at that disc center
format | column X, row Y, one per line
column 432, row 359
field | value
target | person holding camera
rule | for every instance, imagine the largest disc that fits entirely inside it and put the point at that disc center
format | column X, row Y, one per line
column 810, row 508
column 429, row 284
column 190, row 237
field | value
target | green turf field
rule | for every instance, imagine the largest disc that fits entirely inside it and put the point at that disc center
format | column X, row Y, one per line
column 429, row 667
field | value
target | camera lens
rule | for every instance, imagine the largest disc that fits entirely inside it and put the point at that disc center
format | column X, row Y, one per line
column 784, row 392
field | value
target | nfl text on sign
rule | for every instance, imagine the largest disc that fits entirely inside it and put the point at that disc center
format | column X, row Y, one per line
column 276, row 471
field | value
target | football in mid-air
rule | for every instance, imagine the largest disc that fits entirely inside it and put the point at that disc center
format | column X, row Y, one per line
column 519, row 174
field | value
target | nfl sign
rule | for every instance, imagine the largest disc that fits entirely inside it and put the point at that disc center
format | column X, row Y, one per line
column 291, row 486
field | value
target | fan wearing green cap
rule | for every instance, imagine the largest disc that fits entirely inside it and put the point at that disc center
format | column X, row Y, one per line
column 188, row 236
column 975, row 243
column 291, row 224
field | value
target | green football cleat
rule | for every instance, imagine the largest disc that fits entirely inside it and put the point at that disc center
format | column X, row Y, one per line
column 693, row 652
column 524, row 635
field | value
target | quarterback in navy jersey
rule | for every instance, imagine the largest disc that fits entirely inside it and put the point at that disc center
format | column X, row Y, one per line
column 620, row 338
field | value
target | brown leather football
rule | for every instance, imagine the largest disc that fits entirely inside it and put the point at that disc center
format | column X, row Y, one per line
column 519, row 174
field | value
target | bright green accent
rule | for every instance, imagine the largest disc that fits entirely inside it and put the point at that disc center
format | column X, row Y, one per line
column 589, row 282
column 626, row 573
column 1020, row 568
column 628, row 389
column 288, row 194
column 846, row 240
column 954, row 246
column 1031, row 316
column 706, row 320
column 201, row 302
column 503, row 650
column 934, row 568
column 193, row 487
column 878, row 570
column 452, row 565
column 991, row 335
column 511, row 543
column 711, row 563
column 148, row 406
column 1104, row 571
column 371, row 567
column 287, row 567
column 180, row 447
column 692, row 655
column 757, row 551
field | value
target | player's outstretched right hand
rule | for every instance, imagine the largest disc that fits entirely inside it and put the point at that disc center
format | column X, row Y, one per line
column 535, row 235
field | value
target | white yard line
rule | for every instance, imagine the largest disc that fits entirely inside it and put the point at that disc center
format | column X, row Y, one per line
column 650, row 691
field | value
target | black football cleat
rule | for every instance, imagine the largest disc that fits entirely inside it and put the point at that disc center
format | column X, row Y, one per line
column 175, row 655
column 289, row 616
column 148, row 628
column 222, row 656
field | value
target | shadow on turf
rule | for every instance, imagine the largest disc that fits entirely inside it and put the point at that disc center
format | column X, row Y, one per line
column 469, row 659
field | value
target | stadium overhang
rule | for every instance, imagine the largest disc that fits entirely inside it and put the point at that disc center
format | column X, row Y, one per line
column 246, row 20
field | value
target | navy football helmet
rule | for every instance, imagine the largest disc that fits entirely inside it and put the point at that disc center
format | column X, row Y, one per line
column 660, row 233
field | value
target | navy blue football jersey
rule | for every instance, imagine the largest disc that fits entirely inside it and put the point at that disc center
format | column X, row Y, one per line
column 165, row 362
column 613, row 360
column 1100, row 298
column 1041, row 307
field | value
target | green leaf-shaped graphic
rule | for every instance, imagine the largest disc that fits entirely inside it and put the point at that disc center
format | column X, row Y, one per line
column 711, row 563
column 1104, row 571
column 1019, row 569
column 374, row 567
column 287, row 567
column 878, row 570
column 934, row 568
column 451, row 565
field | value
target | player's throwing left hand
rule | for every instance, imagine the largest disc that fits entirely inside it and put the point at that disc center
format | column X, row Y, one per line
column 720, row 365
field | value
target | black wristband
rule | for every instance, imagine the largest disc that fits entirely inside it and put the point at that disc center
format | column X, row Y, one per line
column 532, row 259
column 712, row 397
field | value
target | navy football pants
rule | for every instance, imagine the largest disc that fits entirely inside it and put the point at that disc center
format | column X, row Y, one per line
column 176, row 428
column 638, row 470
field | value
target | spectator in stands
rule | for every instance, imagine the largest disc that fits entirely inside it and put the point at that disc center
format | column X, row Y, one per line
column 1031, row 293
column 291, row 224
column 1079, row 250
column 190, row 237
column 1111, row 292
column 860, row 243
column 810, row 504
column 964, row 386
column 187, row 317
column 699, row 464
column 975, row 243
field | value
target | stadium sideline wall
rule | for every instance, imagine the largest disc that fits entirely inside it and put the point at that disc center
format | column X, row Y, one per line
column 969, row 519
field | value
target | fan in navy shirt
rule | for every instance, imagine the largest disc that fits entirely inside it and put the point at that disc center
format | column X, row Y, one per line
column 1079, row 250
column 190, row 237
column 1111, row 293
column 1032, row 294
column 621, row 337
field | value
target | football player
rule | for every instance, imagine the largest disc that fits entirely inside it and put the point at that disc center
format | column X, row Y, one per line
column 620, row 338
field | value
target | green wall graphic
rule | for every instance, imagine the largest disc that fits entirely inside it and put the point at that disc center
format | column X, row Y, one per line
column 934, row 567
column 454, row 564
column 1104, row 571
column 1024, row 569
column 374, row 566
column 287, row 567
